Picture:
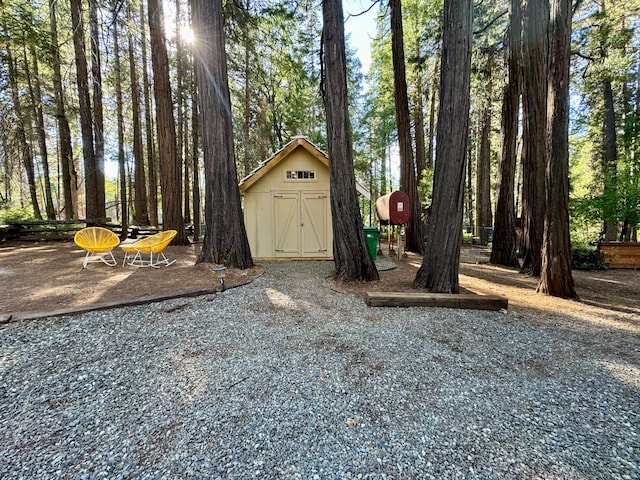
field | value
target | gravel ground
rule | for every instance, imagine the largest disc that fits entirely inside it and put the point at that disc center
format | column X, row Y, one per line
column 286, row 378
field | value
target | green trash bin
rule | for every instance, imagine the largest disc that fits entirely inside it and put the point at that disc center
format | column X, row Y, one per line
column 371, row 237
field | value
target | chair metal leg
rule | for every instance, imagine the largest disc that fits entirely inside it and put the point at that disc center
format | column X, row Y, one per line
column 92, row 257
column 86, row 260
column 129, row 257
column 112, row 261
column 161, row 259
column 137, row 260
column 154, row 261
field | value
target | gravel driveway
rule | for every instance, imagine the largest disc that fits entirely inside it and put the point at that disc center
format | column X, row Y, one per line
column 285, row 378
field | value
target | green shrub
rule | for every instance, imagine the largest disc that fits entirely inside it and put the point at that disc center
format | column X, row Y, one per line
column 587, row 259
column 15, row 213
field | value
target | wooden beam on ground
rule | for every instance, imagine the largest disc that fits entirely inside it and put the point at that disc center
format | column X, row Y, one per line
column 449, row 300
column 4, row 319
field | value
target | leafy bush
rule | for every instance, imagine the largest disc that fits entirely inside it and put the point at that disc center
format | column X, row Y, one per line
column 16, row 213
column 587, row 259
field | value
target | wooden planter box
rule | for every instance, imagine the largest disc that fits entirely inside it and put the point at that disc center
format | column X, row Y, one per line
column 621, row 254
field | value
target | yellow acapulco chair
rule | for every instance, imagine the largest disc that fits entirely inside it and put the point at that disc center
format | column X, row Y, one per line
column 154, row 244
column 98, row 242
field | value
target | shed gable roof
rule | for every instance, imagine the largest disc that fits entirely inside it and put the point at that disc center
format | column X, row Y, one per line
column 268, row 165
column 298, row 141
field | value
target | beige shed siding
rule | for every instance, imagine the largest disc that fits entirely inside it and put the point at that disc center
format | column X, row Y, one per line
column 265, row 227
column 258, row 217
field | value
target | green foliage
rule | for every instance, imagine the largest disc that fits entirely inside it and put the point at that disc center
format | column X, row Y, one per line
column 585, row 221
column 274, row 73
column 422, row 21
column 604, row 188
column 425, row 187
column 15, row 213
column 587, row 259
column 618, row 203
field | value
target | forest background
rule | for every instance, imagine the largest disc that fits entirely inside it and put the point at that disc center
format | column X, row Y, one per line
column 77, row 83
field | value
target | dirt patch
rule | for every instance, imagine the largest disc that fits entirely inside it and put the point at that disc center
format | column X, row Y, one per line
column 48, row 277
column 606, row 297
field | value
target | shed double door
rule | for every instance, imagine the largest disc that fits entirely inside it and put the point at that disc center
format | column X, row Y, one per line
column 300, row 228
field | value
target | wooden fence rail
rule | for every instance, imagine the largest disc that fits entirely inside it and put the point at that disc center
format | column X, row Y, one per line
column 48, row 230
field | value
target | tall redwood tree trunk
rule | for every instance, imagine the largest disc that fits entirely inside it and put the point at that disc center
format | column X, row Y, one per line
column 556, row 278
column 195, row 160
column 182, row 128
column 408, row 180
column 432, row 113
column 35, row 91
column 124, row 206
column 86, row 122
column 140, row 210
column 418, row 114
column 65, row 150
column 609, row 164
column 225, row 240
column 534, row 137
column 152, row 168
column 351, row 256
column 484, row 218
column 170, row 168
column 441, row 261
column 504, row 249
column 98, row 117
column 25, row 149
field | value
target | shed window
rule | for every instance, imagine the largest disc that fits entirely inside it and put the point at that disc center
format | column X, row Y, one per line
column 301, row 175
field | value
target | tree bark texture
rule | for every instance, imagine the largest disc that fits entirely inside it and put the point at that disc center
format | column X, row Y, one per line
column 536, row 47
column 140, row 210
column 632, row 124
column 468, row 189
column 182, row 130
column 556, row 278
column 170, row 168
column 246, row 125
column 35, row 91
column 504, row 248
column 98, row 117
column 26, row 151
column 152, row 168
column 441, row 261
column 65, row 150
column 609, row 161
column 86, row 122
column 225, row 240
column 483, row 173
column 351, row 257
column 124, row 206
column 408, row 179
column 418, row 119
column 195, row 161
column 432, row 113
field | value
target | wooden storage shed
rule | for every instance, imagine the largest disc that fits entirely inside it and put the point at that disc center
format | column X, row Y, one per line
column 287, row 211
